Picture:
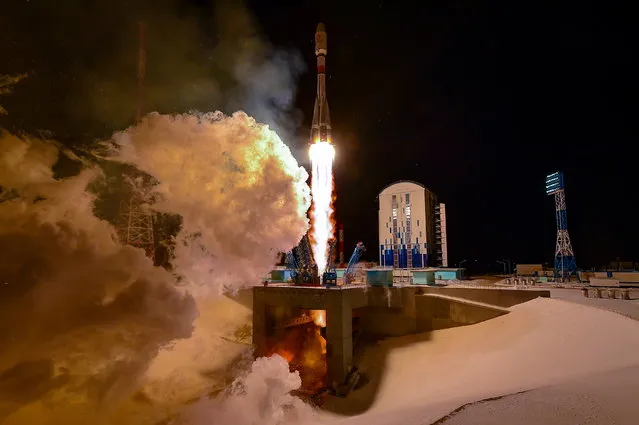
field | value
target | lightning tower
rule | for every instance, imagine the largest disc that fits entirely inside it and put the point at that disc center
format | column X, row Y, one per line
column 565, row 264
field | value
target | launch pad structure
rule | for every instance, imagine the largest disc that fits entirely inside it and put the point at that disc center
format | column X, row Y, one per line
column 357, row 312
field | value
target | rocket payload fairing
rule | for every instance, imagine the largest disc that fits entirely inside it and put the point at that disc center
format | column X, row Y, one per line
column 321, row 127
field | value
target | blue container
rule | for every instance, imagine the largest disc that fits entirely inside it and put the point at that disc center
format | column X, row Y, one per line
column 280, row 276
column 447, row 275
column 423, row 277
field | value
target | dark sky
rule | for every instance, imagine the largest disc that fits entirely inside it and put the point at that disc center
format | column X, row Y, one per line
column 478, row 100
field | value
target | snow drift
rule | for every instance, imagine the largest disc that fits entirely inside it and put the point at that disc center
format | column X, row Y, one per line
column 540, row 343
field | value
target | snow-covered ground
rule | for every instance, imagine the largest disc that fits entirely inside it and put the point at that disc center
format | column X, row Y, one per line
column 546, row 345
column 607, row 398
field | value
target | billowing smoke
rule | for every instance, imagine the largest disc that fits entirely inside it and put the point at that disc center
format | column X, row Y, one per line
column 90, row 331
column 260, row 396
column 241, row 194
column 200, row 56
column 82, row 316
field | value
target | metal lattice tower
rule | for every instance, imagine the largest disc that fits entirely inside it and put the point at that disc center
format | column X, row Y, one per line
column 565, row 264
column 137, row 225
column 136, row 221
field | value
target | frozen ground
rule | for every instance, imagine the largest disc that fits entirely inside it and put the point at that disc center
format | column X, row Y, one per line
column 549, row 348
column 607, row 398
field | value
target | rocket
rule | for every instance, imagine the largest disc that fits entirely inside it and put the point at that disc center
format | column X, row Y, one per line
column 321, row 127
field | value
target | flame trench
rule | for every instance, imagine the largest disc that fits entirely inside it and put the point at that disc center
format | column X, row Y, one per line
column 322, row 155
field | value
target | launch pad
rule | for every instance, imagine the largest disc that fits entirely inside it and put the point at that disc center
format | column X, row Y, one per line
column 354, row 312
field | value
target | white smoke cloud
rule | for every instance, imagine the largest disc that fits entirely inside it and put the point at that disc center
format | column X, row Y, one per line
column 260, row 396
column 81, row 316
column 242, row 196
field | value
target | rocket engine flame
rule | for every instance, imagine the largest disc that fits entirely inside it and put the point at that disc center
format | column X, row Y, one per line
column 322, row 229
column 319, row 317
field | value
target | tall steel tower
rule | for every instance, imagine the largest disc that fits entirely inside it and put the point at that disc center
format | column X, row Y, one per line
column 565, row 264
column 136, row 221
column 136, row 227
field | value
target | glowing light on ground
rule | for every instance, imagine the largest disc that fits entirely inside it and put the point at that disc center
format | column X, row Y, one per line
column 322, row 230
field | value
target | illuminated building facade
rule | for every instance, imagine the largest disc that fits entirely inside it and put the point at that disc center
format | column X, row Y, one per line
column 412, row 227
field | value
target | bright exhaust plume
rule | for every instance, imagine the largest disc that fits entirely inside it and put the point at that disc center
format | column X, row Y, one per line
column 322, row 229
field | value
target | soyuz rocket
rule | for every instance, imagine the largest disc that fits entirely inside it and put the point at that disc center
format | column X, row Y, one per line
column 321, row 127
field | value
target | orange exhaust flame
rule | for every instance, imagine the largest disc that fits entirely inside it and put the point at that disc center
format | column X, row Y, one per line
column 319, row 317
column 304, row 348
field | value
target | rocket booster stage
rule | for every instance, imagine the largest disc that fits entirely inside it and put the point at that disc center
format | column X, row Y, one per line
column 321, row 127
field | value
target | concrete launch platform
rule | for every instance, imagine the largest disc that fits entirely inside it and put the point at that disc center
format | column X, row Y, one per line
column 381, row 312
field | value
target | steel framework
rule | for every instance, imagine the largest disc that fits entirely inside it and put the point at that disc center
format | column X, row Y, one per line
column 565, row 264
column 137, row 225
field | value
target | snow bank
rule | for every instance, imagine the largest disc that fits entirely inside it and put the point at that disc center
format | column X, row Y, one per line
column 540, row 343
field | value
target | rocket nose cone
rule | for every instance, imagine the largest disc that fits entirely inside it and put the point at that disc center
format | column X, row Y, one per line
column 320, row 28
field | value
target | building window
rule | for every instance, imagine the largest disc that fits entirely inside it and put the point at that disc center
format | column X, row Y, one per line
column 418, row 222
column 420, row 234
column 408, row 198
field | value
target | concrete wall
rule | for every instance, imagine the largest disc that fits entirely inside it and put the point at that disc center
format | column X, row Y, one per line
column 401, row 311
column 497, row 297
column 441, row 312
column 603, row 281
column 623, row 277
column 390, row 312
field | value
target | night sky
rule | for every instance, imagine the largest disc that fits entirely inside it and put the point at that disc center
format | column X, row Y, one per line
column 477, row 100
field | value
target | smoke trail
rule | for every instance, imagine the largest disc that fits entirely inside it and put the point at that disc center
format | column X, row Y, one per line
column 241, row 194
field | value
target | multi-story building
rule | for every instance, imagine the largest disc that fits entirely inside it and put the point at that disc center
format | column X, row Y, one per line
column 412, row 227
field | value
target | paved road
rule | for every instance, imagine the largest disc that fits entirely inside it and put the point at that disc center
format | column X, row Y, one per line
column 629, row 308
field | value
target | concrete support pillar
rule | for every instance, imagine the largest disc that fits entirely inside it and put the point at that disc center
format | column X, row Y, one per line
column 625, row 294
column 339, row 340
column 584, row 292
column 259, row 325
